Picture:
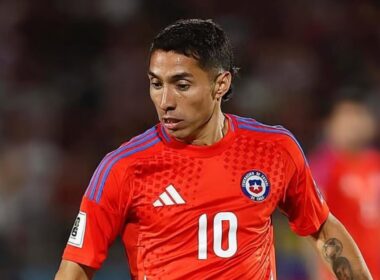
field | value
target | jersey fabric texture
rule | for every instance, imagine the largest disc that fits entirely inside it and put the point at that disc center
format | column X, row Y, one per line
column 198, row 212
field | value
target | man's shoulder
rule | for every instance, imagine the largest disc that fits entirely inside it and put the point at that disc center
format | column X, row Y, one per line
column 114, row 166
column 262, row 130
column 277, row 135
column 137, row 146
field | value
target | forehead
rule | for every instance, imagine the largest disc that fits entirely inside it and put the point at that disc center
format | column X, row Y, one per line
column 351, row 108
column 163, row 63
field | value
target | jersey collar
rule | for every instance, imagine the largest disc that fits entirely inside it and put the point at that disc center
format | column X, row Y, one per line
column 216, row 148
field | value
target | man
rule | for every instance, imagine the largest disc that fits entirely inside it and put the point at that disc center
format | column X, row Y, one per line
column 348, row 171
column 193, row 196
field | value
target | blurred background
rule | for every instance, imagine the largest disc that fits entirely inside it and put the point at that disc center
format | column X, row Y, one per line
column 73, row 86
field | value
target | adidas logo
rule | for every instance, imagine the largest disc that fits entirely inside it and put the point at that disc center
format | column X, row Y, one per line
column 169, row 197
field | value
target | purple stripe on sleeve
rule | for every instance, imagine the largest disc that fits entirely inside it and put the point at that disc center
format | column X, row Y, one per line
column 148, row 135
column 119, row 157
column 271, row 129
column 138, row 137
column 88, row 191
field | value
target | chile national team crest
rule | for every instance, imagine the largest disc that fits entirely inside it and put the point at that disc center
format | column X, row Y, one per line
column 255, row 185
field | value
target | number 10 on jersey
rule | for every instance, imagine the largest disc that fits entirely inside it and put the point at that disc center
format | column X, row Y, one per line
column 218, row 235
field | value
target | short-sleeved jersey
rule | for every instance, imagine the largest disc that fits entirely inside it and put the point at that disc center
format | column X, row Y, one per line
column 197, row 212
column 354, row 180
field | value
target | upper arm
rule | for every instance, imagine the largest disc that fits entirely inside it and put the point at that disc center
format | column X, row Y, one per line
column 74, row 271
column 339, row 250
column 333, row 241
column 302, row 202
column 102, row 215
column 332, row 227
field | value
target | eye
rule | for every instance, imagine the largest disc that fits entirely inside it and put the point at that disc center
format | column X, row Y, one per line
column 183, row 86
column 155, row 84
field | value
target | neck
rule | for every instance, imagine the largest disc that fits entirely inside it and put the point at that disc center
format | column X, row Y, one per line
column 212, row 131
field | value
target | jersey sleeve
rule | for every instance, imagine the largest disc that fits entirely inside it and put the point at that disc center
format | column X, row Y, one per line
column 101, row 217
column 302, row 202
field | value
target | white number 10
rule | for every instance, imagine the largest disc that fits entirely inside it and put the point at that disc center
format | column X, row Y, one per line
column 218, row 230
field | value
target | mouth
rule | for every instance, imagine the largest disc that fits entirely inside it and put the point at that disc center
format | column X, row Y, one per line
column 171, row 123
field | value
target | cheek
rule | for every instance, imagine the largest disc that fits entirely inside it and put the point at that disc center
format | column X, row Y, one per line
column 206, row 102
column 200, row 105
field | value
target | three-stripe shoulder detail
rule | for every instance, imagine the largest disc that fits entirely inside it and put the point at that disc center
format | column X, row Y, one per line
column 253, row 125
column 137, row 144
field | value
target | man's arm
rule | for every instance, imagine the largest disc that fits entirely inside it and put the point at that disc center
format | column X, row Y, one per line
column 339, row 251
column 74, row 271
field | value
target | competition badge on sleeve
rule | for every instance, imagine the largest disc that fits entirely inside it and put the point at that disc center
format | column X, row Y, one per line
column 255, row 185
column 77, row 233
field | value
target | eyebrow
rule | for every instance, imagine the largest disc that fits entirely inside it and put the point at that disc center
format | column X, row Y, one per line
column 176, row 77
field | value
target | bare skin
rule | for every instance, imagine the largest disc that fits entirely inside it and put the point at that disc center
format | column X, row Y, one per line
column 74, row 271
column 188, row 103
column 188, row 98
column 339, row 251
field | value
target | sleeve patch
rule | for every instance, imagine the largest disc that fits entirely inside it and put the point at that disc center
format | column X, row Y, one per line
column 77, row 233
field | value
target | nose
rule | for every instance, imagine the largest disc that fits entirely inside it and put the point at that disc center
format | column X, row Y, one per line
column 168, row 101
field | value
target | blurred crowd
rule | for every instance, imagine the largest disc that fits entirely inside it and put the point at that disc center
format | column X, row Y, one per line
column 73, row 86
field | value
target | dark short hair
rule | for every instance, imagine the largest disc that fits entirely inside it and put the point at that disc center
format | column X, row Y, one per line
column 203, row 40
column 347, row 94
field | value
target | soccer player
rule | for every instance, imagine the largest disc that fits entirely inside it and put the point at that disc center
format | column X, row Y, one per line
column 193, row 196
column 348, row 171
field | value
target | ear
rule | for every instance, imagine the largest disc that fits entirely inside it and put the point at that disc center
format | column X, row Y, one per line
column 222, row 84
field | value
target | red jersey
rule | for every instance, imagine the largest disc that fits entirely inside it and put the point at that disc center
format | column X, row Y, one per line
column 351, row 185
column 197, row 212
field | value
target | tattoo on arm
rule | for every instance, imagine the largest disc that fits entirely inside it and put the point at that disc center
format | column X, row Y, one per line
column 332, row 250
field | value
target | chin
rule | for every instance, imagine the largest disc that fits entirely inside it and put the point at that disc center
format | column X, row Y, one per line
column 180, row 134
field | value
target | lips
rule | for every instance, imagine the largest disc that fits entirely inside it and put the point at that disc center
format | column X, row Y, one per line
column 171, row 123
